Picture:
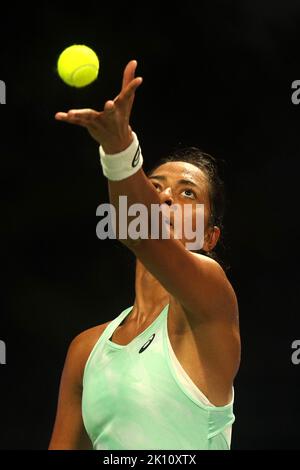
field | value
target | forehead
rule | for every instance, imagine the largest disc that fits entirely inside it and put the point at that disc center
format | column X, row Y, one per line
column 183, row 170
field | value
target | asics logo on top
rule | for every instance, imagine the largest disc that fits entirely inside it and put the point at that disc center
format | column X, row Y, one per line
column 145, row 346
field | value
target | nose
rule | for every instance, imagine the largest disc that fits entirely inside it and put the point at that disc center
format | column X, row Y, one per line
column 166, row 196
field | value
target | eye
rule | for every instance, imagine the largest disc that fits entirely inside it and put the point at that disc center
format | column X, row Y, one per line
column 156, row 185
column 191, row 195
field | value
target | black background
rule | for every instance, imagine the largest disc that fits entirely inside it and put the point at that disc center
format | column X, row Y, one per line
column 217, row 75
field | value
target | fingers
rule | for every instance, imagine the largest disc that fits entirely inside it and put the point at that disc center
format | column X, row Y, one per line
column 131, row 88
column 126, row 96
column 128, row 74
column 81, row 117
column 61, row 116
column 123, row 102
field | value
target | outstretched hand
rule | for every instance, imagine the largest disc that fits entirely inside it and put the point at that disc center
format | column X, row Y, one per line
column 110, row 127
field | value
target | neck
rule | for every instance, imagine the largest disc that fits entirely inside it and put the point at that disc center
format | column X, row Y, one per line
column 150, row 296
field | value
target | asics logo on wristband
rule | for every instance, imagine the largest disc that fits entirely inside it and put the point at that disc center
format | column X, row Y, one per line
column 136, row 157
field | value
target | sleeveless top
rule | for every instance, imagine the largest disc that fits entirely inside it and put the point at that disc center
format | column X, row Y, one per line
column 138, row 396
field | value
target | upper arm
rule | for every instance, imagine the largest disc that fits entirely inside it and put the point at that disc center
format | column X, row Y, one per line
column 207, row 297
column 69, row 432
column 196, row 281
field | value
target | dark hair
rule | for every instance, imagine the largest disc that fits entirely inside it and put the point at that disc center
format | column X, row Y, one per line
column 216, row 190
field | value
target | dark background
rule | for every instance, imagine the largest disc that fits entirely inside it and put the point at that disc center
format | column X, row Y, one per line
column 217, row 75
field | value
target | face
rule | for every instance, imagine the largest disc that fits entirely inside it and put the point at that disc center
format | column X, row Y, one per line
column 184, row 184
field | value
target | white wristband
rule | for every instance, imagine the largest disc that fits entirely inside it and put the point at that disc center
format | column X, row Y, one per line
column 119, row 166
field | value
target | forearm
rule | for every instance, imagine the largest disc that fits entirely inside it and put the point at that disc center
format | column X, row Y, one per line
column 129, row 189
column 138, row 190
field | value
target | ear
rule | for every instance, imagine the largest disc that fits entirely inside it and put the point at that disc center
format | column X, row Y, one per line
column 211, row 238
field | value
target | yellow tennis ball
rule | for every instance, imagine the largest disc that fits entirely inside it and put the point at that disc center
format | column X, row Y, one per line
column 78, row 65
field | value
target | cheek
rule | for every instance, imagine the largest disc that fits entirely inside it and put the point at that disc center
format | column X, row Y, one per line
column 206, row 215
column 196, row 217
column 206, row 218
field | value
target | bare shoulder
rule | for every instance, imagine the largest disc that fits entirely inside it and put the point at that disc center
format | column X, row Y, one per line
column 86, row 340
column 209, row 263
column 212, row 267
column 81, row 347
column 219, row 291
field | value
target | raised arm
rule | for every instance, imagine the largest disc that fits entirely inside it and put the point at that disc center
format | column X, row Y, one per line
column 199, row 283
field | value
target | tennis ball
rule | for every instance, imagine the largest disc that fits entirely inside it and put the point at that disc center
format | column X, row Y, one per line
column 78, row 65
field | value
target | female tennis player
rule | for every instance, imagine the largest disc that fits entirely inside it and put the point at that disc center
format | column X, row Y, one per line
column 160, row 374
